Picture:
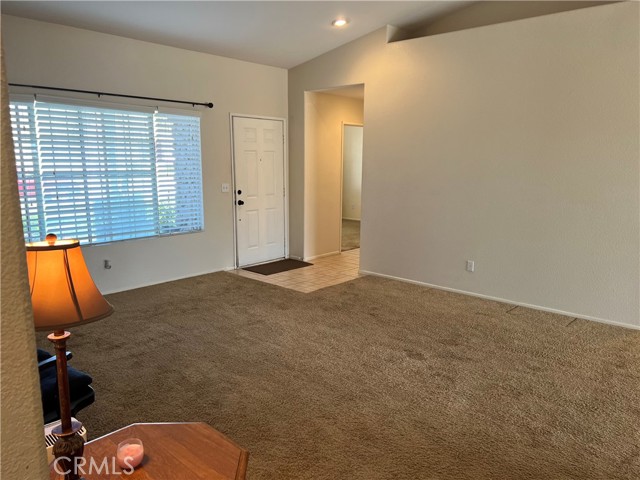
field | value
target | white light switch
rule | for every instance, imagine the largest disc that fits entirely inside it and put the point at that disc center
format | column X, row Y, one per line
column 225, row 188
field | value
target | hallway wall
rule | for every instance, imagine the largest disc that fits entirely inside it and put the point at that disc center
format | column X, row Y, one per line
column 352, row 172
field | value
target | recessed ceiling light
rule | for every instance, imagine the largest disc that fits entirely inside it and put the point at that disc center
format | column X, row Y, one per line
column 339, row 22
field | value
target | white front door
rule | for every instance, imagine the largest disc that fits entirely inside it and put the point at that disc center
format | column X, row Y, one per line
column 258, row 153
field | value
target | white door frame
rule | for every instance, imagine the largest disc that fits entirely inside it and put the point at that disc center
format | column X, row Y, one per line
column 345, row 124
column 286, row 181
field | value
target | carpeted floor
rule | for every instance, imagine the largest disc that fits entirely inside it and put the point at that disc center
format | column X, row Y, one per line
column 350, row 234
column 370, row 379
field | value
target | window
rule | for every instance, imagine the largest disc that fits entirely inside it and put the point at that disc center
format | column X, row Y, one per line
column 102, row 175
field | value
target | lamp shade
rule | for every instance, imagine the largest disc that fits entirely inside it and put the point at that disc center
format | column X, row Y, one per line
column 63, row 293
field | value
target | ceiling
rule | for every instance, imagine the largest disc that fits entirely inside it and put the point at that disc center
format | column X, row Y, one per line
column 281, row 34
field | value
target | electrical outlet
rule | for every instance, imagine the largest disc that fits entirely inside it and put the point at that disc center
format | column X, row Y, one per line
column 225, row 188
column 471, row 266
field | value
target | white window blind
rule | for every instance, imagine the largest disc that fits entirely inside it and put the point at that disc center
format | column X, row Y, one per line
column 102, row 175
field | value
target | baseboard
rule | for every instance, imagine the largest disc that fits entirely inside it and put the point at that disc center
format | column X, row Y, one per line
column 172, row 279
column 504, row 300
column 352, row 219
column 306, row 259
column 295, row 257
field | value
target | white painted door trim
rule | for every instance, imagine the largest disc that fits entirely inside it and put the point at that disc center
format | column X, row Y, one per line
column 285, row 133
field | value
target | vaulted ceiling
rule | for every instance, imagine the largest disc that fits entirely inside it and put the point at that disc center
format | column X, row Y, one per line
column 282, row 34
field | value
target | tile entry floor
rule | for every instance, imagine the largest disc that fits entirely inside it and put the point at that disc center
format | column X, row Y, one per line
column 324, row 272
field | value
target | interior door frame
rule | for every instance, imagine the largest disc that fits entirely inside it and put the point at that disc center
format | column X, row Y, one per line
column 346, row 124
column 285, row 197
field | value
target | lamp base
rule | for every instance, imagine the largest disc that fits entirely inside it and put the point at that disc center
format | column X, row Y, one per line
column 67, row 450
column 69, row 446
column 50, row 438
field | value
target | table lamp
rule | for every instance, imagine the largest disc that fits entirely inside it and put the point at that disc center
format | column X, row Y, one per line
column 63, row 295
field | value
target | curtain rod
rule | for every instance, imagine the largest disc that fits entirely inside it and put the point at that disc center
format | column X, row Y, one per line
column 99, row 94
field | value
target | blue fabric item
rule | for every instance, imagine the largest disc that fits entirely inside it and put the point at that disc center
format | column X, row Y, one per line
column 43, row 355
column 78, row 382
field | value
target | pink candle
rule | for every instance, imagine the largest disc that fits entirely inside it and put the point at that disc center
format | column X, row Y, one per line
column 130, row 453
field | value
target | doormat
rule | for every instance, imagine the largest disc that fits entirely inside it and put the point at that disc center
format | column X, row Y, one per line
column 277, row 267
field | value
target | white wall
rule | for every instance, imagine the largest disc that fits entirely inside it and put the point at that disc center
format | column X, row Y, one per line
column 55, row 55
column 515, row 145
column 324, row 115
column 352, row 172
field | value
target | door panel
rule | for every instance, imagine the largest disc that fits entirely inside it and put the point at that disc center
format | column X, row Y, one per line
column 252, row 222
column 259, row 183
column 251, row 184
column 268, row 171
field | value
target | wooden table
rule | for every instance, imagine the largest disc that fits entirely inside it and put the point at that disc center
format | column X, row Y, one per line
column 176, row 451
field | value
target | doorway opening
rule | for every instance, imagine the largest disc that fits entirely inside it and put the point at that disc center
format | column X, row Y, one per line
column 333, row 119
column 352, row 136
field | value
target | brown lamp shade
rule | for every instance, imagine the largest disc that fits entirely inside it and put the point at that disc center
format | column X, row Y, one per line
column 63, row 293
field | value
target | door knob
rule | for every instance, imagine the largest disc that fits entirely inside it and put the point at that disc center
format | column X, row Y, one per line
column 240, row 202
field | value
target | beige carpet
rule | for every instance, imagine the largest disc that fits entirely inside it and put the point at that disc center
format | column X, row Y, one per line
column 371, row 379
